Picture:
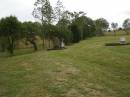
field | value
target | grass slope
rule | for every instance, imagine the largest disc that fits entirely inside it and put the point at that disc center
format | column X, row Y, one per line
column 86, row 69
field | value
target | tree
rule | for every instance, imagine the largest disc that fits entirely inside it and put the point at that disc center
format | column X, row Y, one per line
column 74, row 15
column 64, row 30
column 101, row 26
column 43, row 11
column 65, row 34
column 10, row 29
column 31, row 37
column 64, row 22
column 86, row 26
column 3, row 43
column 126, row 25
column 59, row 11
column 114, row 26
column 30, row 30
column 76, row 33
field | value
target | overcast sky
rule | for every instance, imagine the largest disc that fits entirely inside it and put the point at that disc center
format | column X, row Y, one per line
column 112, row 10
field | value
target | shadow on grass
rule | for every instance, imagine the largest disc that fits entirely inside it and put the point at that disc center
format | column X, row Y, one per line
column 17, row 52
column 117, row 44
column 54, row 49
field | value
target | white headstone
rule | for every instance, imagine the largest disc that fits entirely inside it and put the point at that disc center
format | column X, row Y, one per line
column 62, row 44
column 122, row 40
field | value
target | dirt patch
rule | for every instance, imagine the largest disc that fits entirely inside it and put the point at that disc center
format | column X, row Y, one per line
column 27, row 66
column 74, row 93
column 68, row 70
column 92, row 90
column 35, row 91
column 64, row 72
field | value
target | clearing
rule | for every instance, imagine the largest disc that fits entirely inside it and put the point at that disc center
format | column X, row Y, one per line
column 86, row 69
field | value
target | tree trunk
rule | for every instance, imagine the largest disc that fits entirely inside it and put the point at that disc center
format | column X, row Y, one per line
column 127, row 33
column 114, row 32
column 43, row 43
column 11, row 45
column 3, row 48
column 34, row 45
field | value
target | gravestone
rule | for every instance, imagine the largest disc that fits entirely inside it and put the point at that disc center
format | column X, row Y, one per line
column 122, row 40
column 62, row 44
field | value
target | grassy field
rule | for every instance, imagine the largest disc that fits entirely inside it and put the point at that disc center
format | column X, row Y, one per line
column 86, row 69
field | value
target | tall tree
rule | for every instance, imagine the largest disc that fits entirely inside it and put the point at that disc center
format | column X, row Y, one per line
column 85, row 25
column 114, row 26
column 101, row 26
column 31, row 37
column 10, row 29
column 76, row 33
column 43, row 11
column 59, row 10
column 30, row 30
column 64, row 30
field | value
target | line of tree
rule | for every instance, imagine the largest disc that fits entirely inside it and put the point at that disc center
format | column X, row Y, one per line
column 71, row 26
column 125, row 27
column 54, row 24
column 12, row 30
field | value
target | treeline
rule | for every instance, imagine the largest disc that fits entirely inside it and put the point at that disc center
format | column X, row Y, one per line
column 54, row 26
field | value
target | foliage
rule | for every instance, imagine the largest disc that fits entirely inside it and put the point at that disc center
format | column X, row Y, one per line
column 101, row 26
column 76, row 15
column 32, row 30
column 31, row 37
column 76, row 33
column 68, row 26
column 86, row 26
column 31, row 27
column 10, row 29
column 114, row 26
column 126, row 25
column 43, row 11
column 59, row 10
column 65, row 34
column 64, row 22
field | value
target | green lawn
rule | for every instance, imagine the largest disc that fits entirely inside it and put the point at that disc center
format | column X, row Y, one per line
column 86, row 69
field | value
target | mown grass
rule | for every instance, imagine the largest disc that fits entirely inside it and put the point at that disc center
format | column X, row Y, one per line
column 86, row 69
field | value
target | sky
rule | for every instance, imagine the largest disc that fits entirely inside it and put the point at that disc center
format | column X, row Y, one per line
column 112, row 10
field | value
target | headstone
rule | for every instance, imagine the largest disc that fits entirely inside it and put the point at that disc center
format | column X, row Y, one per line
column 62, row 44
column 122, row 40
